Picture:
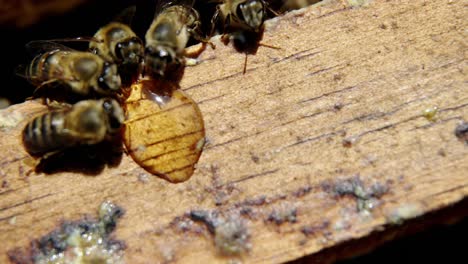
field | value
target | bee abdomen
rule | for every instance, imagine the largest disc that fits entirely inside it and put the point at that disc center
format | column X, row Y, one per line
column 45, row 133
column 39, row 69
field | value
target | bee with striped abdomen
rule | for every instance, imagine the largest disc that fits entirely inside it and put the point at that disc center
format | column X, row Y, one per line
column 87, row 122
column 83, row 73
column 116, row 42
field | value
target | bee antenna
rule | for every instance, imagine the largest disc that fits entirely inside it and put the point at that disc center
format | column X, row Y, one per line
column 245, row 64
column 272, row 11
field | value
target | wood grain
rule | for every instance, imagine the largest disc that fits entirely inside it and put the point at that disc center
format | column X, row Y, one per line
column 321, row 142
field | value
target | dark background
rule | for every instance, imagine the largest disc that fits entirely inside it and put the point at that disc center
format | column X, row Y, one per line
column 85, row 20
column 439, row 244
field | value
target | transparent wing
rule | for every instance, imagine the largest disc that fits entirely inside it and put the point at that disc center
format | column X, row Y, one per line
column 163, row 4
column 186, row 13
column 77, row 39
column 55, row 44
column 38, row 47
column 22, row 70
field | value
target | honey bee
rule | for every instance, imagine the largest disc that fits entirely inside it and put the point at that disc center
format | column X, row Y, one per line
column 242, row 23
column 168, row 36
column 241, row 15
column 87, row 122
column 81, row 72
column 117, row 43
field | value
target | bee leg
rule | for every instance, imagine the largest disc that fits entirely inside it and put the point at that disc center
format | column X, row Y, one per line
column 245, row 64
column 203, row 40
column 32, row 162
column 125, row 150
column 190, row 62
column 191, row 54
column 197, row 35
column 214, row 20
column 225, row 38
column 42, row 86
column 41, row 163
column 269, row 46
column 194, row 51
column 49, row 155
column 55, row 105
column 272, row 11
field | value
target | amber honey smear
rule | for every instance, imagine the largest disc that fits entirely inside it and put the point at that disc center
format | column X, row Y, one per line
column 164, row 131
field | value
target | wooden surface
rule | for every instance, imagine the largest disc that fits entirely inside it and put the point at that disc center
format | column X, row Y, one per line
column 320, row 142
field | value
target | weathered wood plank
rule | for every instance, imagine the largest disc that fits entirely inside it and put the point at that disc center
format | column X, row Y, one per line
column 320, row 142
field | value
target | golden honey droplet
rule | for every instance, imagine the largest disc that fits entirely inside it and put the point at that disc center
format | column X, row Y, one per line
column 164, row 131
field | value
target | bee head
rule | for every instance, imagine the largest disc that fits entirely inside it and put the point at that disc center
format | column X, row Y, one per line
column 114, row 113
column 109, row 80
column 129, row 51
column 252, row 12
column 157, row 58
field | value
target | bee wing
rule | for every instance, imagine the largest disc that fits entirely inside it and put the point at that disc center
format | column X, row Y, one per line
column 44, row 86
column 126, row 16
column 161, row 5
column 22, row 70
column 184, row 14
column 77, row 39
column 38, row 47
column 57, row 105
column 54, row 44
